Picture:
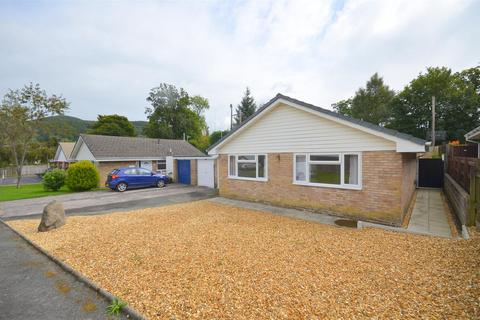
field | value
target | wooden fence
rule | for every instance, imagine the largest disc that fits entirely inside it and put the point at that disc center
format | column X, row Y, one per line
column 462, row 170
column 463, row 190
column 28, row 170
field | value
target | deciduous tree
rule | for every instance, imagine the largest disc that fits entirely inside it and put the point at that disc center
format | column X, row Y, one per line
column 113, row 125
column 173, row 114
column 457, row 103
column 21, row 113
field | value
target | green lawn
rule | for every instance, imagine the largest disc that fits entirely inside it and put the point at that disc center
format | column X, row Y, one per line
column 27, row 191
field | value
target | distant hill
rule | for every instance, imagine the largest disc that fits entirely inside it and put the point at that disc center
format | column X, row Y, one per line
column 67, row 128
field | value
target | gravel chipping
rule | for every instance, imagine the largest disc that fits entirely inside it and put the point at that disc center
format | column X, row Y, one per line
column 204, row 260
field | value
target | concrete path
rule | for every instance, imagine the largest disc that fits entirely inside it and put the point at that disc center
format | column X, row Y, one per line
column 429, row 216
column 34, row 287
column 103, row 201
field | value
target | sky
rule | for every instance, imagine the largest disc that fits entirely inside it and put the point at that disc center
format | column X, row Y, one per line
column 105, row 56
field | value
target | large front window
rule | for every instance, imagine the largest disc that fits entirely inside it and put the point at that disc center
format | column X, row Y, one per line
column 329, row 170
column 248, row 166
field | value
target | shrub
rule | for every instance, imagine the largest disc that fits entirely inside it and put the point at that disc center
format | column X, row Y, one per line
column 54, row 179
column 82, row 176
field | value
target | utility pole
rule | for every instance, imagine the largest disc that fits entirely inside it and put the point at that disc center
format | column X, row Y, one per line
column 433, row 121
column 231, row 117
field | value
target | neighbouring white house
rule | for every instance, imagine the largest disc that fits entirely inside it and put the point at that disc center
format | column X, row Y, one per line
column 291, row 153
column 474, row 137
column 175, row 158
column 62, row 155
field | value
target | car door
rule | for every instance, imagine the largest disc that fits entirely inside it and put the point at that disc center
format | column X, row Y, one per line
column 146, row 178
column 132, row 177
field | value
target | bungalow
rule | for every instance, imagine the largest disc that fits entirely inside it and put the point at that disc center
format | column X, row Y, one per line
column 291, row 153
column 62, row 155
column 176, row 158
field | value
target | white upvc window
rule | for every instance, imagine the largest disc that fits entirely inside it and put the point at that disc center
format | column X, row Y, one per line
column 248, row 167
column 161, row 165
column 331, row 170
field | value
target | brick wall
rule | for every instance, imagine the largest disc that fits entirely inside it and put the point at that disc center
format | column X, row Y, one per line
column 379, row 200
column 105, row 167
column 409, row 167
column 193, row 172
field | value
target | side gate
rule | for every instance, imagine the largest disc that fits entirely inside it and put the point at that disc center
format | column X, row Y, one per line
column 430, row 173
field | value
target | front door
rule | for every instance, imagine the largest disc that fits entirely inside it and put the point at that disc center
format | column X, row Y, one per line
column 183, row 171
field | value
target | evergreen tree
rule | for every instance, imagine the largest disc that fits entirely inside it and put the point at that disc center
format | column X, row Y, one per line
column 246, row 108
column 371, row 104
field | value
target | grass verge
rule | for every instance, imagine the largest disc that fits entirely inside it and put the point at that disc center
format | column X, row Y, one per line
column 27, row 191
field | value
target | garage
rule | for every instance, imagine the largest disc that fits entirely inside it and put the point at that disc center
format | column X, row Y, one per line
column 206, row 172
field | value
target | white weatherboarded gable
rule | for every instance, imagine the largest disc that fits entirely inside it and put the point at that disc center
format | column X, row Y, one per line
column 285, row 128
column 83, row 152
column 59, row 155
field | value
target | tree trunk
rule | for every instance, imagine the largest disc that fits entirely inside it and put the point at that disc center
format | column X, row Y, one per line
column 20, row 165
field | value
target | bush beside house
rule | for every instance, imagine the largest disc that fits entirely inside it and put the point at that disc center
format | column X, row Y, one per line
column 82, row 176
column 54, row 180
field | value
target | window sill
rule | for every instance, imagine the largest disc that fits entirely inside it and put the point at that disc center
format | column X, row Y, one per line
column 332, row 186
column 249, row 179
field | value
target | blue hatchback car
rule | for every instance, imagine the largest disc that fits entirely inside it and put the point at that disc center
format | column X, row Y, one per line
column 130, row 178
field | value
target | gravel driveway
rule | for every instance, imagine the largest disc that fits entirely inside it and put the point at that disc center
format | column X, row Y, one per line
column 207, row 260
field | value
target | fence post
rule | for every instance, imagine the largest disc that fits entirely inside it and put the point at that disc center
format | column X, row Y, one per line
column 477, row 198
column 472, row 204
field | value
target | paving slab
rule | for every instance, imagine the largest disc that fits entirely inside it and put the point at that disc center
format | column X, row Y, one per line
column 429, row 215
column 34, row 287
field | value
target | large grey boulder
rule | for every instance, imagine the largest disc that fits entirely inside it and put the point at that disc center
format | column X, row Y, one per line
column 53, row 216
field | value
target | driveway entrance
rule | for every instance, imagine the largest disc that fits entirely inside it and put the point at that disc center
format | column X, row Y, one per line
column 105, row 201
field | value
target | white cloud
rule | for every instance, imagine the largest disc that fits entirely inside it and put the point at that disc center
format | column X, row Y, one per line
column 105, row 56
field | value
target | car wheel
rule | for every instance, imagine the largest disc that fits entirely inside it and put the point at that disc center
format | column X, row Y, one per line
column 122, row 186
column 160, row 183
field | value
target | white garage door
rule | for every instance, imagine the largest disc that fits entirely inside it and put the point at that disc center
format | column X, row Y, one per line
column 205, row 173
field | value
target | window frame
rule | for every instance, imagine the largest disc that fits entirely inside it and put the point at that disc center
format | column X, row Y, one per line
column 161, row 170
column 341, row 162
column 236, row 176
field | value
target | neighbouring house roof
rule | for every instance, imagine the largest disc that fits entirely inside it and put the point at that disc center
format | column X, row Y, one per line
column 130, row 148
column 64, row 148
column 474, row 134
column 67, row 148
column 359, row 124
